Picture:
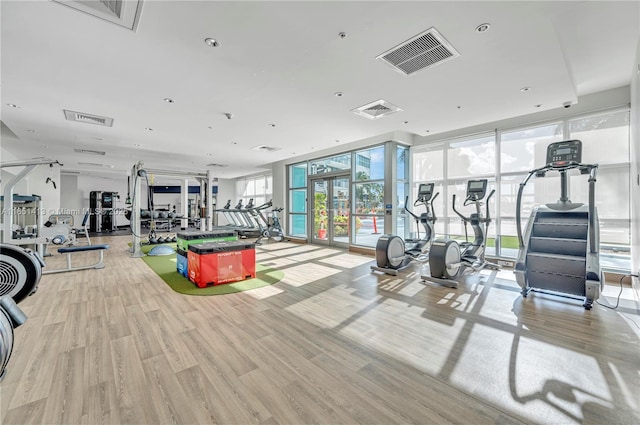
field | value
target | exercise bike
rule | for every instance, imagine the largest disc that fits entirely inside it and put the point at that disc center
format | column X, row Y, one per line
column 448, row 259
column 391, row 252
column 271, row 229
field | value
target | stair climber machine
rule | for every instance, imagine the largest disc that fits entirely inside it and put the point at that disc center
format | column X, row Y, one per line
column 448, row 259
column 391, row 252
column 559, row 251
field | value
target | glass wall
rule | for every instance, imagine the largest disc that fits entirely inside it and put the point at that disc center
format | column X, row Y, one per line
column 368, row 190
column 297, row 200
column 505, row 157
column 258, row 188
column 334, row 164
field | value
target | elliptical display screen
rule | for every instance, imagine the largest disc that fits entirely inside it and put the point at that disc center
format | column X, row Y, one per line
column 562, row 153
column 425, row 190
column 477, row 188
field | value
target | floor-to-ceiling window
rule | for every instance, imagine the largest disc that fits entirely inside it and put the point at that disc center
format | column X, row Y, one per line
column 297, row 211
column 258, row 188
column 368, row 189
column 505, row 156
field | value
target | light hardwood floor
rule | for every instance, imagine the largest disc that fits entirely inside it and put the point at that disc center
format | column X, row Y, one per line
column 332, row 343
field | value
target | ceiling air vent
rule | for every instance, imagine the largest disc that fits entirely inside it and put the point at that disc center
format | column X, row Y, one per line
column 378, row 109
column 88, row 118
column 265, row 148
column 89, row 151
column 125, row 13
column 217, row 165
column 425, row 50
column 94, row 164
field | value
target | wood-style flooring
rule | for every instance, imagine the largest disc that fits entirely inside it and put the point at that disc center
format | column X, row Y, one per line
column 332, row 343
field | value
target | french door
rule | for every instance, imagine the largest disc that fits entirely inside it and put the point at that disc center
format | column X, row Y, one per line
column 330, row 206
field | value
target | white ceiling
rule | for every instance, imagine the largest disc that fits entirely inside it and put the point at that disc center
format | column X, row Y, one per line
column 281, row 63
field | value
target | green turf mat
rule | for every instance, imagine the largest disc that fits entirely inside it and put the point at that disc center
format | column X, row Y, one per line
column 165, row 267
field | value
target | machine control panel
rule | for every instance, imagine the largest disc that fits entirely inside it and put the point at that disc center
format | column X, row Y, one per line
column 560, row 154
column 476, row 189
column 425, row 191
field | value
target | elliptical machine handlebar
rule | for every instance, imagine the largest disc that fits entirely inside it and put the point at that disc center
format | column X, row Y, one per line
column 487, row 219
column 420, row 201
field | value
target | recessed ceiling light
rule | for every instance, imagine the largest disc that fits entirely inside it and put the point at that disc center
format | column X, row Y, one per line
column 168, row 100
column 338, row 94
column 337, row 141
column 234, row 143
column 538, row 105
column 148, row 128
column 272, row 125
column 427, row 131
column 211, row 42
column 209, row 154
column 13, row 105
column 32, row 131
column 405, row 122
column 483, row 27
column 342, row 35
column 137, row 145
column 43, row 146
column 525, row 89
column 210, row 128
column 459, row 107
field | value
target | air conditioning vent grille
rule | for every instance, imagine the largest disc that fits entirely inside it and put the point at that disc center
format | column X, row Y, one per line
column 88, row 118
column 89, row 152
column 217, row 165
column 266, row 148
column 378, row 109
column 423, row 51
column 94, row 164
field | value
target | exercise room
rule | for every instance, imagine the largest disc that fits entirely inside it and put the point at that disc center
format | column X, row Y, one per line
column 296, row 212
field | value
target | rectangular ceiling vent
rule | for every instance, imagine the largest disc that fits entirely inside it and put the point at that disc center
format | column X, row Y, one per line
column 125, row 13
column 378, row 109
column 217, row 165
column 423, row 51
column 94, row 164
column 265, row 148
column 89, row 152
column 88, row 118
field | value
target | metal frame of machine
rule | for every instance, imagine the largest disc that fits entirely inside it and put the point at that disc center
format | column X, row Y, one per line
column 560, row 248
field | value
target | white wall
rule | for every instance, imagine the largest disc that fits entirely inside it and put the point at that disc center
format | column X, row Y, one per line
column 226, row 191
column 635, row 169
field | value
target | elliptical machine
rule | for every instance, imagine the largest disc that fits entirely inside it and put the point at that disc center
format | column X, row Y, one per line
column 447, row 261
column 560, row 248
column 391, row 252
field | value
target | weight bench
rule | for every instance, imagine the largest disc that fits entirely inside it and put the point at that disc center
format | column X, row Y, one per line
column 72, row 249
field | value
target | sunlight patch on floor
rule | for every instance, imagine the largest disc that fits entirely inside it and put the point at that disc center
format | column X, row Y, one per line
column 347, row 260
column 557, row 383
column 305, row 274
column 264, row 292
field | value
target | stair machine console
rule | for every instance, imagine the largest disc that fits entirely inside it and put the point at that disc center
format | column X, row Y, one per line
column 559, row 250
column 448, row 259
column 391, row 252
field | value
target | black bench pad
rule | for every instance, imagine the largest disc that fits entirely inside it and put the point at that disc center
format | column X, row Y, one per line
column 83, row 248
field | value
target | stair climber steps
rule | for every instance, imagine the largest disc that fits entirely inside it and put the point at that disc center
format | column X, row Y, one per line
column 574, row 285
column 566, row 217
column 568, row 265
column 576, row 247
column 560, row 230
